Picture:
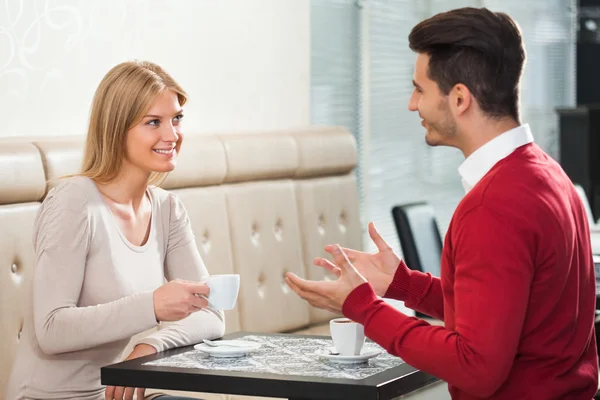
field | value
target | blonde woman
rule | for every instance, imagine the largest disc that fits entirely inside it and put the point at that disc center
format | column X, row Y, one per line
column 105, row 240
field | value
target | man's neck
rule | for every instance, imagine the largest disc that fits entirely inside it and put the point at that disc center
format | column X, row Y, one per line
column 479, row 134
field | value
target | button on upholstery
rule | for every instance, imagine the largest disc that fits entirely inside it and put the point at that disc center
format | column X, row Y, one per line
column 262, row 283
column 343, row 221
column 205, row 242
column 20, row 331
column 321, row 225
column 16, row 272
column 284, row 287
column 255, row 234
column 278, row 229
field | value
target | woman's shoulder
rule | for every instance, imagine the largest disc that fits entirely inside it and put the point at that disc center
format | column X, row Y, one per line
column 66, row 206
column 165, row 198
column 71, row 191
column 169, row 205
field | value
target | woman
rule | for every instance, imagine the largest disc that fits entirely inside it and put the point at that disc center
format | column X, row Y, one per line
column 105, row 240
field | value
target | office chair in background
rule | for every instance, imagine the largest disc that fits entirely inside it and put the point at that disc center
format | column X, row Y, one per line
column 419, row 236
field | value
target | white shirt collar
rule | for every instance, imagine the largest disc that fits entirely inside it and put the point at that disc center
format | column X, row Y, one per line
column 478, row 164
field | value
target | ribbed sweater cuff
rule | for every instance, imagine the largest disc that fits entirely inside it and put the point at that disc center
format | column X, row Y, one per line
column 359, row 302
column 408, row 285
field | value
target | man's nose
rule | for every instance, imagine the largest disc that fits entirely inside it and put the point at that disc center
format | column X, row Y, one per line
column 413, row 104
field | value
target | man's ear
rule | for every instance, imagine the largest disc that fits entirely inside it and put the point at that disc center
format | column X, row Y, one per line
column 460, row 98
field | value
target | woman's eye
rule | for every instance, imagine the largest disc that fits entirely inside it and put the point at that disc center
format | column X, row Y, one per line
column 154, row 122
column 178, row 118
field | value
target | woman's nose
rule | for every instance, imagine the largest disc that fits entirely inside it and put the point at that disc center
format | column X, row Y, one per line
column 170, row 134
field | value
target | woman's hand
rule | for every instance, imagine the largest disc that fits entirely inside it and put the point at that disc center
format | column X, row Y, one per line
column 177, row 299
column 126, row 393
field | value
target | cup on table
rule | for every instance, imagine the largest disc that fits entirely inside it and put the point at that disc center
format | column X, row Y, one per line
column 224, row 290
column 348, row 336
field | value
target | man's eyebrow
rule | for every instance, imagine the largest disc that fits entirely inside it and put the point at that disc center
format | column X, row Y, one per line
column 416, row 85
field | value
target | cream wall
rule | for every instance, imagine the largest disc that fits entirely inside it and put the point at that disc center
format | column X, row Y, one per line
column 244, row 63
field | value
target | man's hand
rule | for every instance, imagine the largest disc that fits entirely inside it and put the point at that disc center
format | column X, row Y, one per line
column 329, row 295
column 123, row 393
column 378, row 268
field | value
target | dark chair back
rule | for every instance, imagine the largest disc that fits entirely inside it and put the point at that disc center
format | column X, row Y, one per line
column 419, row 236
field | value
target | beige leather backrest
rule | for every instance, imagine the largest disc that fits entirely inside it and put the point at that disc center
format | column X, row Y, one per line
column 265, row 230
column 22, row 185
column 327, row 199
column 297, row 194
column 62, row 157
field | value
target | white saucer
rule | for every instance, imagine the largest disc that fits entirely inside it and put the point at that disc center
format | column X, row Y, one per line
column 363, row 357
column 243, row 348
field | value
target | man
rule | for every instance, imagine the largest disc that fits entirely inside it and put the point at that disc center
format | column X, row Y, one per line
column 517, row 287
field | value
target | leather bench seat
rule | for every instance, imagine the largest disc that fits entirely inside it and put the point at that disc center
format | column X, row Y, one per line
column 260, row 205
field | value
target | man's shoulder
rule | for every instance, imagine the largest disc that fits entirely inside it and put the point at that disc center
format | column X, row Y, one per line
column 520, row 190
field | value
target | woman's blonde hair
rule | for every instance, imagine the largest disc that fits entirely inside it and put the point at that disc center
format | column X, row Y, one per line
column 121, row 100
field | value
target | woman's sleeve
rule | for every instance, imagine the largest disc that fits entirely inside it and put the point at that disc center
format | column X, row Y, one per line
column 61, row 242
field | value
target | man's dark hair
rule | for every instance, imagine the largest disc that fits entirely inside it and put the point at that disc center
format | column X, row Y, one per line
column 476, row 47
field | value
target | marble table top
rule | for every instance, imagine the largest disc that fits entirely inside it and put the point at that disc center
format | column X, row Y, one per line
column 286, row 356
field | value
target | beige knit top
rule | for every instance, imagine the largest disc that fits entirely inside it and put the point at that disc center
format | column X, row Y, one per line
column 93, row 290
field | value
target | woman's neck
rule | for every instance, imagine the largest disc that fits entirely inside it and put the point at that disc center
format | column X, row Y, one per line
column 126, row 189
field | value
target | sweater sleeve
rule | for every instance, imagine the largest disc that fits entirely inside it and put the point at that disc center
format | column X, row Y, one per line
column 61, row 243
column 183, row 261
column 493, row 273
column 419, row 291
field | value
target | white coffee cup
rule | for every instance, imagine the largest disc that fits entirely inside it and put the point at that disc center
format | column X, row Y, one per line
column 348, row 336
column 224, row 291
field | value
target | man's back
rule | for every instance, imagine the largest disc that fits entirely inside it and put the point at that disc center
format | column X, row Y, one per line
column 543, row 268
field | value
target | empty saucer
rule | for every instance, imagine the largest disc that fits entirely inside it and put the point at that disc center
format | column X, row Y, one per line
column 364, row 356
column 240, row 349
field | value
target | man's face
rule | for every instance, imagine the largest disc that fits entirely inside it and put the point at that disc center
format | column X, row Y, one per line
column 432, row 106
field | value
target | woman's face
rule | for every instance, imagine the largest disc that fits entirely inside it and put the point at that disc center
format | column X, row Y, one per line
column 153, row 144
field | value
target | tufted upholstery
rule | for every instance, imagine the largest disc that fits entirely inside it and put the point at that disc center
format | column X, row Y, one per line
column 266, row 244
column 16, row 261
column 260, row 205
column 326, row 222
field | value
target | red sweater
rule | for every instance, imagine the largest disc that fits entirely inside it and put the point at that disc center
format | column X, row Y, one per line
column 517, row 292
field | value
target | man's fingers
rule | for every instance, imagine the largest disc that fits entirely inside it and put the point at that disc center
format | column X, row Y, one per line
column 139, row 393
column 314, row 299
column 341, row 260
column 352, row 254
column 322, row 287
column 377, row 239
column 327, row 265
